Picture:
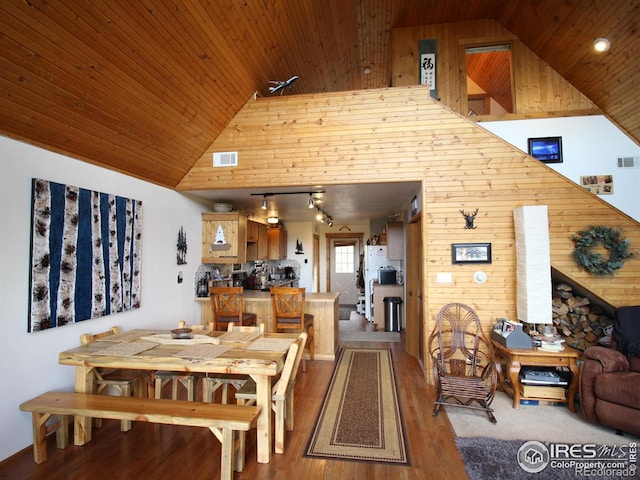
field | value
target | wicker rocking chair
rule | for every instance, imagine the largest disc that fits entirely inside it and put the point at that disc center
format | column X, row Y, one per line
column 463, row 361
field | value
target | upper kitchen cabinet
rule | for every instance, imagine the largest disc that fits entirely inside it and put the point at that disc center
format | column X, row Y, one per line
column 395, row 241
column 256, row 241
column 224, row 238
column 276, row 243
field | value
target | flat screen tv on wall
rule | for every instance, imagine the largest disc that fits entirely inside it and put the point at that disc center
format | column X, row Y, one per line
column 547, row 149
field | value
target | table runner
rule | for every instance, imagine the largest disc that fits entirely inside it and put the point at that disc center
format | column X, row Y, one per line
column 271, row 344
column 126, row 349
column 203, row 351
column 166, row 339
column 239, row 336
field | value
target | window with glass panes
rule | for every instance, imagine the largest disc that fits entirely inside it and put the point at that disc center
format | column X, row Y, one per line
column 345, row 256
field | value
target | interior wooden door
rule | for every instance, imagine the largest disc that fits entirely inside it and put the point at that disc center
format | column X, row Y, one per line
column 413, row 299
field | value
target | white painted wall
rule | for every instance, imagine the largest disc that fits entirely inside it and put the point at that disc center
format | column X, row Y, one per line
column 29, row 361
column 591, row 146
column 302, row 231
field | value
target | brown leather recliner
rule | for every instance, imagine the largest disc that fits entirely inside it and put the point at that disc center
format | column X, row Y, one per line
column 610, row 377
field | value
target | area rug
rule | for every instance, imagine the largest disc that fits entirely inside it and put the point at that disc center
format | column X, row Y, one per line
column 360, row 418
column 532, row 422
column 345, row 311
column 489, row 458
column 348, row 336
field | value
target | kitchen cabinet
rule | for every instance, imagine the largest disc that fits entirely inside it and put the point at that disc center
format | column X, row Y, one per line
column 276, row 244
column 262, row 242
column 395, row 241
column 224, row 238
column 252, row 231
column 256, row 241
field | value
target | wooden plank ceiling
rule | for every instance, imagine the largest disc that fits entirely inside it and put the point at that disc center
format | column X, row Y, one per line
column 144, row 87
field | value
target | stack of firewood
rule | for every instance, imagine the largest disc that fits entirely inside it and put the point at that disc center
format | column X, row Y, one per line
column 581, row 323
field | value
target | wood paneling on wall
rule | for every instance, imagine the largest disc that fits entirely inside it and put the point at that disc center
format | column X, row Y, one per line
column 400, row 134
column 539, row 90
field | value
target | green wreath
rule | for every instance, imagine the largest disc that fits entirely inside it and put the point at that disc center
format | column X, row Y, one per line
column 596, row 263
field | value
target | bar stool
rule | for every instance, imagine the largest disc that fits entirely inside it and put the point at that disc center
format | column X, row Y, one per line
column 289, row 316
column 227, row 306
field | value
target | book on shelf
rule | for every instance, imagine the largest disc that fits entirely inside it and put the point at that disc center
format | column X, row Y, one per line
column 543, row 391
column 548, row 403
column 549, row 343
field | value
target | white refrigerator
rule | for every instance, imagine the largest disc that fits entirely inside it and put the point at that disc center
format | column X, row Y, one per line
column 375, row 258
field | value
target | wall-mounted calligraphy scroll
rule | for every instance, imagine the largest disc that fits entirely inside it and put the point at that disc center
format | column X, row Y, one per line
column 85, row 255
column 428, row 50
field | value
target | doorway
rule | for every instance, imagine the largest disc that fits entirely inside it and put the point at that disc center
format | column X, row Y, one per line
column 345, row 261
column 489, row 86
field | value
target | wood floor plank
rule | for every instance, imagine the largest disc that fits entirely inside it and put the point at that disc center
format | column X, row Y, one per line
column 169, row 452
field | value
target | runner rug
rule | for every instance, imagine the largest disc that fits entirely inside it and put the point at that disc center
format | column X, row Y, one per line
column 360, row 418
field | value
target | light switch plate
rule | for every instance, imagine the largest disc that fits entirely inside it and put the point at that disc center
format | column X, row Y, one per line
column 443, row 277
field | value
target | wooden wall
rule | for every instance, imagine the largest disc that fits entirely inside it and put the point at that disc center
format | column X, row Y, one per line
column 400, row 134
column 539, row 90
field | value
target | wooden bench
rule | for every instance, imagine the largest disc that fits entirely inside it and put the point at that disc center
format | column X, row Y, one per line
column 223, row 420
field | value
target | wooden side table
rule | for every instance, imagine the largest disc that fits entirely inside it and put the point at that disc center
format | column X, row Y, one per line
column 534, row 357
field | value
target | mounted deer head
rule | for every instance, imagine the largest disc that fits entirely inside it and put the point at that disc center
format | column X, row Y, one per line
column 469, row 218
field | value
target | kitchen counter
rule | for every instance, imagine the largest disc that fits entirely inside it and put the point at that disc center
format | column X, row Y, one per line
column 323, row 307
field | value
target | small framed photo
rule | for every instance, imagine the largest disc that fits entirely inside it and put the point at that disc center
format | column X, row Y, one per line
column 470, row 253
column 547, row 149
column 598, row 184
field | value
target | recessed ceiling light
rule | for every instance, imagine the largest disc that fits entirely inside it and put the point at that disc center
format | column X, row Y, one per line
column 601, row 45
column 367, row 70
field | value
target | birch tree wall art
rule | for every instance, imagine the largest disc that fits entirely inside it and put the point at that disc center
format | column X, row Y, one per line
column 85, row 255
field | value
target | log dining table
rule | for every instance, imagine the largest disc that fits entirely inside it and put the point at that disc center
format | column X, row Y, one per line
column 261, row 358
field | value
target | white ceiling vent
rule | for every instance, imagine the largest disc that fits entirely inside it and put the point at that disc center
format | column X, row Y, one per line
column 627, row 162
column 225, row 159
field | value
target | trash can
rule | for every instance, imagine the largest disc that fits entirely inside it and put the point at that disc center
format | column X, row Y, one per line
column 392, row 314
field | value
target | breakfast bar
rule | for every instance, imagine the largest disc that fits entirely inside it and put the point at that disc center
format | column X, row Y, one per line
column 323, row 306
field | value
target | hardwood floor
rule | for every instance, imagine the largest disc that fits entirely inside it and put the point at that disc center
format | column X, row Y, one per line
column 171, row 452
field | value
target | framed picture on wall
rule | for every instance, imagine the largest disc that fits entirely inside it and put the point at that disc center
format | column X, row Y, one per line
column 546, row 149
column 470, row 253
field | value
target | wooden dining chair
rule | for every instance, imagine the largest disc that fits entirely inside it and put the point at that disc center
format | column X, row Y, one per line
column 282, row 400
column 125, row 382
column 212, row 382
column 227, row 306
column 289, row 314
column 187, row 380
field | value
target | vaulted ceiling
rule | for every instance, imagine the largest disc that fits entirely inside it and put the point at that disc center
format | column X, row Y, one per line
column 144, row 87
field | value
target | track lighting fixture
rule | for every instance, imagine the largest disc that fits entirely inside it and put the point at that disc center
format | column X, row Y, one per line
column 322, row 216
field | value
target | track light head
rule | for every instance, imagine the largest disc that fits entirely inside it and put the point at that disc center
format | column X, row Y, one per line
column 310, row 202
column 264, row 203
